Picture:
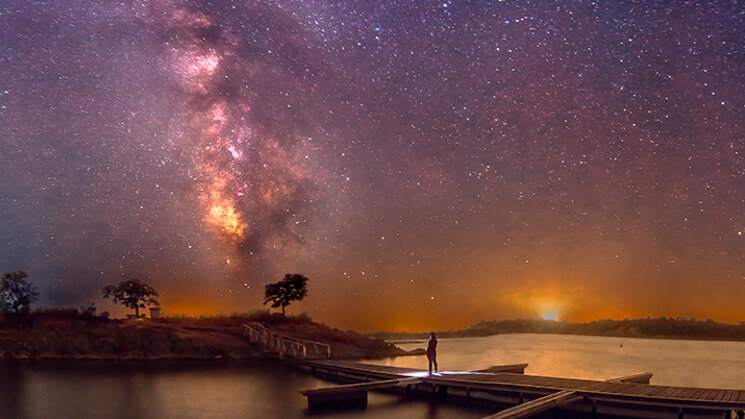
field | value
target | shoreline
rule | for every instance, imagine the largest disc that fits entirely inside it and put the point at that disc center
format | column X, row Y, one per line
column 660, row 337
column 649, row 328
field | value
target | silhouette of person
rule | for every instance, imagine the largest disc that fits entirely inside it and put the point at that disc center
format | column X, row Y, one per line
column 432, row 351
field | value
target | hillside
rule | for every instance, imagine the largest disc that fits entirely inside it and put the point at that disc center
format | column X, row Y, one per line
column 68, row 335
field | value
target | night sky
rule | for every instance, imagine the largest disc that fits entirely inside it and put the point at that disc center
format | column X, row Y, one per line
column 426, row 164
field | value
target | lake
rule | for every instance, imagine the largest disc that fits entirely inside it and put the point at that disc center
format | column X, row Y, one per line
column 269, row 389
column 690, row 363
column 183, row 390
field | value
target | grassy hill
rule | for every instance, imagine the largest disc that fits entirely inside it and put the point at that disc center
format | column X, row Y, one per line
column 66, row 334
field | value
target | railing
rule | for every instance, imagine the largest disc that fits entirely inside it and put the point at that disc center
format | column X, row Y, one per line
column 272, row 341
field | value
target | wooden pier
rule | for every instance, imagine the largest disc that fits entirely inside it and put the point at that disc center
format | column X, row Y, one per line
column 517, row 395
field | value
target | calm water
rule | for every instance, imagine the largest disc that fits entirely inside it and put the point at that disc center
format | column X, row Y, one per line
column 183, row 390
column 673, row 362
column 269, row 389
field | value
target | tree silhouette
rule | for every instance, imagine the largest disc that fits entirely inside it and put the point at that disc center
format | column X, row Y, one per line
column 16, row 293
column 133, row 294
column 290, row 288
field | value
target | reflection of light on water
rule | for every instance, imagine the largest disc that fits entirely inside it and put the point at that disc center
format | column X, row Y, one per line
column 686, row 363
column 444, row 373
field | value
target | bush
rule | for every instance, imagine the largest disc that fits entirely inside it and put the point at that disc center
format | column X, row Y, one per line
column 58, row 312
column 86, row 313
column 88, row 309
column 304, row 316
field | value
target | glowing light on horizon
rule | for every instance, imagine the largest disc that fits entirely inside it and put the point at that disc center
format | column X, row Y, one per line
column 549, row 310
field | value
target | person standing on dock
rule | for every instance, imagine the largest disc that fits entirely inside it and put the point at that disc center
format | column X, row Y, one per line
column 432, row 351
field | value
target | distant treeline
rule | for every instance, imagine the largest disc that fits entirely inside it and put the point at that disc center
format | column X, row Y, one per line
column 662, row 327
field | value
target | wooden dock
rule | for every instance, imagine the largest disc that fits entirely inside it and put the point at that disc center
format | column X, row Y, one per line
column 514, row 394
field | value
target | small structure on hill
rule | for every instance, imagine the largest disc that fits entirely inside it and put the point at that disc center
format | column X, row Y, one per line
column 154, row 312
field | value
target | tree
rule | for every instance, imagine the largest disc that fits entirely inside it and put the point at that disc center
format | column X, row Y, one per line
column 16, row 293
column 133, row 294
column 290, row 288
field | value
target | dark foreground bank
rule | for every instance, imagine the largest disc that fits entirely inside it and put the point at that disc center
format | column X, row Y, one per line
column 59, row 336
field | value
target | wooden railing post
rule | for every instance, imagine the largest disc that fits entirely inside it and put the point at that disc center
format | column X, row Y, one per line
column 284, row 345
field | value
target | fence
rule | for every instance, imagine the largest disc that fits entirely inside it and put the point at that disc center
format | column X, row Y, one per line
column 284, row 345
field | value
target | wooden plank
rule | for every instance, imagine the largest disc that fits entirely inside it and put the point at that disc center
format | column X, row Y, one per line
column 667, row 392
column 690, row 393
column 735, row 396
column 715, row 395
column 681, row 392
column 354, row 366
column 513, row 368
column 633, row 389
column 536, row 406
column 731, row 395
column 646, row 391
column 720, row 395
column 728, row 395
column 660, row 391
column 616, row 388
column 707, row 395
column 699, row 393
column 596, row 387
column 639, row 378
column 367, row 386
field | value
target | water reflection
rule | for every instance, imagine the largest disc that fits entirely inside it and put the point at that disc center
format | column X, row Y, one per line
column 270, row 389
column 182, row 390
column 673, row 362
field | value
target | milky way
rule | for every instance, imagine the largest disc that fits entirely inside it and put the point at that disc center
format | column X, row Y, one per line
column 425, row 164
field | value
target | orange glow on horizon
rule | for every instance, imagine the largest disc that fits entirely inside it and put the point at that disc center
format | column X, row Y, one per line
column 546, row 301
column 189, row 307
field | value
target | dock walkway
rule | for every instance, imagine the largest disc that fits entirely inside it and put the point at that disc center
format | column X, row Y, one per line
column 625, row 396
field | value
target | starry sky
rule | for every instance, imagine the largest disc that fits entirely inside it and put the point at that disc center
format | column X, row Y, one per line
column 427, row 164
